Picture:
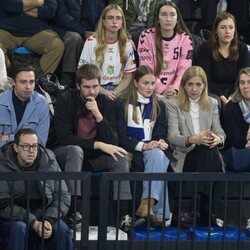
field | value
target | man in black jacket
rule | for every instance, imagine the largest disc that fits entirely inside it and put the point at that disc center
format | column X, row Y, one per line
column 86, row 118
column 25, row 154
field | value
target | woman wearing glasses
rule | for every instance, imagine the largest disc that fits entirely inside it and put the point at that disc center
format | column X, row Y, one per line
column 112, row 51
column 167, row 48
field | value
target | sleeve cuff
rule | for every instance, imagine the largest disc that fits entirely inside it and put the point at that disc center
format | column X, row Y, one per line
column 139, row 146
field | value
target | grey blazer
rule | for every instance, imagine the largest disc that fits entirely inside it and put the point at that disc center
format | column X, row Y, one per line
column 180, row 126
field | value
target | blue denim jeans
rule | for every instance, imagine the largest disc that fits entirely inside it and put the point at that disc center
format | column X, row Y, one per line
column 155, row 161
column 109, row 86
column 61, row 238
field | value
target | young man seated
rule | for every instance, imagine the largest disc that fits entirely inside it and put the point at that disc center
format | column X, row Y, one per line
column 84, row 118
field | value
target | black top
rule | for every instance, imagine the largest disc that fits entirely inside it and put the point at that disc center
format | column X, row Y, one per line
column 222, row 74
column 235, row 126
column 19, row 107
column 69, row 108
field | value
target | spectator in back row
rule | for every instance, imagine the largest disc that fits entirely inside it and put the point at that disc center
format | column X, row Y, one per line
column 22, row 107
column 223, row 56
column 111, row 50
column 25, row 155
column 139, row 15
column 24, row 23
column 240, row 9
column 74, row 21
column 167, row 48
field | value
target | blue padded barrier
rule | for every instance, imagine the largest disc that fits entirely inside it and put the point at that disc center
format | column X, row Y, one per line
column 170, row 233
column 216, row 233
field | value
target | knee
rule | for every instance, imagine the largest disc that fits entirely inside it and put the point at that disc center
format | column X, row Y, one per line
column 156, row 153
column 74, row 157
column 62, row 228
column 56, row 43
column 122, row 164
column 73, row 38
column 158, row 156
column 18, row 228
column 75, row 152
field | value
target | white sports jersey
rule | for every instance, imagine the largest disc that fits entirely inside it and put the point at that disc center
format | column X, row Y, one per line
column 111, row 69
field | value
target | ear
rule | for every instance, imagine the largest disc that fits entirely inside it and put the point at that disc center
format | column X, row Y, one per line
column 135, row 83
column 77, row 86
column 15, row 147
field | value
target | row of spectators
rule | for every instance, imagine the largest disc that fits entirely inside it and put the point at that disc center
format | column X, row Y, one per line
column 162, row 108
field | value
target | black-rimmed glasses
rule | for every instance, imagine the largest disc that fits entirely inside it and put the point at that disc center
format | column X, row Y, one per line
column 28, row 147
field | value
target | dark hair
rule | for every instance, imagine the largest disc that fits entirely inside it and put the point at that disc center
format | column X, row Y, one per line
column 214, row 41
column 19, row 67
column 88, row 72
column 130, row 95
column 23, row 131
column 180, row 27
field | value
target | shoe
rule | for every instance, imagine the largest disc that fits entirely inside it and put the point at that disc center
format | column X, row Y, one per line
column 75, row 221
column 187, row 219
column 248, row 224
column 157, row 220
column 126, row 222
column 143, row 210
column 217, row 221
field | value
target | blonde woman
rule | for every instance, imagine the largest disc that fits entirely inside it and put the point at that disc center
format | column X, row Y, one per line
column 194, row 128
column 112, row 51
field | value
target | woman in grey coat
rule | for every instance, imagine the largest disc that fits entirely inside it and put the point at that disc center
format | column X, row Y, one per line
column 195, row 132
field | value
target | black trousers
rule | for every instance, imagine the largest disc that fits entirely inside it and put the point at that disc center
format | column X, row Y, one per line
column 203, row 159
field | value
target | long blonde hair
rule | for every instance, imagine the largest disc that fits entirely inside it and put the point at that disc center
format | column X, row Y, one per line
column 130, row 96
column 237, row 96
column 101, row 45
column 182, row 97
column 180, row 27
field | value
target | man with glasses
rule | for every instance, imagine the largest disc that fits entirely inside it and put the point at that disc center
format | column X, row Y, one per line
column 22, row 107
column 86, row 118
column 22, row 204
